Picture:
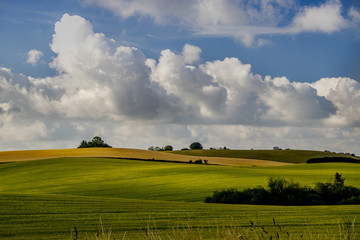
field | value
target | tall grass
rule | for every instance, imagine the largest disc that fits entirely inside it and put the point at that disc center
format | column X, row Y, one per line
column 255, row 231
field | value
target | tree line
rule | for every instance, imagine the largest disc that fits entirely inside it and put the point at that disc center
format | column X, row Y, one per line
column 192, row 146
column 98, row 142
column 95, row 142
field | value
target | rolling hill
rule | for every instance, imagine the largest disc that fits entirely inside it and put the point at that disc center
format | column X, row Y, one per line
column 10, row 156
column 148, row 180
column 44, row 194
column 287, row 156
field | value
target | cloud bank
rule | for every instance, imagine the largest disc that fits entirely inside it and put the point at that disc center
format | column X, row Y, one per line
column 248, row 21
column 103, row 88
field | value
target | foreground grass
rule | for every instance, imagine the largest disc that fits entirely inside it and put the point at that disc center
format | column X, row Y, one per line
column 288, row 156
column 119, row 178
column 54, row 217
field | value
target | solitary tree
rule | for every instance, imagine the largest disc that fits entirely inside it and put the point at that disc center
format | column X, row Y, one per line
column 168, row 148
column 339, row 180
column 195, row 145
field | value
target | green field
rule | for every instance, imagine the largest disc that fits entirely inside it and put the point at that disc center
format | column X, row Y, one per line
column 119, row 178
column 45, row 199
column 53, row 216
column 289, row 156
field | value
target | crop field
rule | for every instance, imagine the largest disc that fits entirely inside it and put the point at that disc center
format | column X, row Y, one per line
column 288, row 156
column 55, row 216
column 11, row 156
column 47, row 198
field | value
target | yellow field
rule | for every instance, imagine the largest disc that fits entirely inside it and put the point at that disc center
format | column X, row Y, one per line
column 11, row 156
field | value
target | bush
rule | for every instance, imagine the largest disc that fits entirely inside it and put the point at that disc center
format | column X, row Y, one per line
column 333, row 159
column 283, row 192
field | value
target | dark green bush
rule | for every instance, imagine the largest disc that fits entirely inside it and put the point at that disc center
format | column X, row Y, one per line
column 333, row 159
column 283, row 192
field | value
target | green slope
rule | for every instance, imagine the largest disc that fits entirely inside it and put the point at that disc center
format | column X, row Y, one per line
column 132, row 179
column 54, row 217
column 289, row 156
column 45, row 199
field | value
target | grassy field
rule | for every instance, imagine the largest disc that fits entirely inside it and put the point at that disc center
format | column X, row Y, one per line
column 288, row 156
column 119, row 178
column 55, row 216
column 45, row 199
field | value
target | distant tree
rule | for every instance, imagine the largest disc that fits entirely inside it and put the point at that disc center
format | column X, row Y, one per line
column 151, row 148
column 168, row 148
column 195, row 145
column 338, row 179
column 96, row 142
column 158, row 149
column 83, row 144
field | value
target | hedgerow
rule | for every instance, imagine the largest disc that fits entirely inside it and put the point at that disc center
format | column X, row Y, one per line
column 284, row 192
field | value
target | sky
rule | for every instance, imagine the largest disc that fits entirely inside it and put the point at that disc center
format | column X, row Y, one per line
column 139, row 73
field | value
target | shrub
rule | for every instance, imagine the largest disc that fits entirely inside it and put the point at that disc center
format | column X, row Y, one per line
column 283, row 192
column 333, row 159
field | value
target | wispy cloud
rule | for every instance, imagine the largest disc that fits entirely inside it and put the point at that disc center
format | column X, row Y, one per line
column 248, row 21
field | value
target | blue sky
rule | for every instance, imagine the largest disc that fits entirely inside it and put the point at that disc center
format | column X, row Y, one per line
column 303, row 53
column 303, row 57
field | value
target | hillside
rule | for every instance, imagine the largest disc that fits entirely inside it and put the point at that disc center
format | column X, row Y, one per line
column 286, row 156
column 11, row 156
column 148, row 180
column 47, row 198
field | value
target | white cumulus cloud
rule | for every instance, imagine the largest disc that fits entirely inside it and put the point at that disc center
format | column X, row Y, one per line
column 326, row 18
column 33, row 56
column 104, row 88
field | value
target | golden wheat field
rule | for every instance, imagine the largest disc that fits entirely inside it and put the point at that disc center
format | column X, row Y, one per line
column 25, row 155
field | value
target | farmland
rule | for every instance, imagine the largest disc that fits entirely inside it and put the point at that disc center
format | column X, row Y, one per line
column 11, row 156
column 46, row 198
column 287, row 156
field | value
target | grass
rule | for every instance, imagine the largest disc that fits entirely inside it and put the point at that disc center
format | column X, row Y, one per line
column 288, row 156
column 55, row 216
column 119, row 178
column 46, row 199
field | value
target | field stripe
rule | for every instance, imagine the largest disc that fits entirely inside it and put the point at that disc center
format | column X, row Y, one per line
column 26, row 155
